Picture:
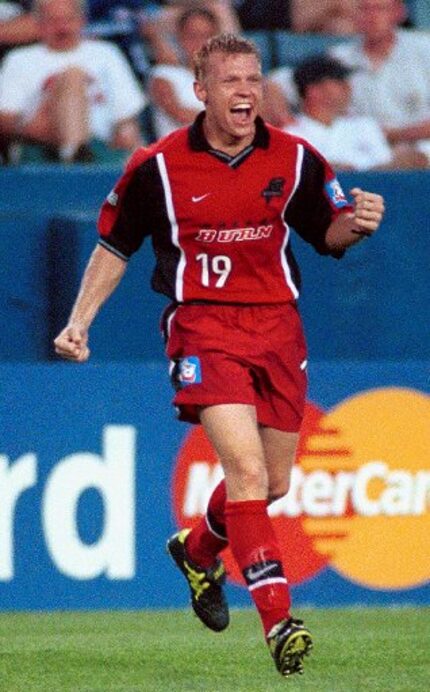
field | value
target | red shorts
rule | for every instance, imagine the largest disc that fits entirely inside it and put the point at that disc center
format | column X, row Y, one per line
column 250, row 354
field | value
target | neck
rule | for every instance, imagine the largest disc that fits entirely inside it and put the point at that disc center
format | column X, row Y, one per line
column 225, row 141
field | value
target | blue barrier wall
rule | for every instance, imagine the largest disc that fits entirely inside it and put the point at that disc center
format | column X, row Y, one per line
column 87, row 488
column 371, row 304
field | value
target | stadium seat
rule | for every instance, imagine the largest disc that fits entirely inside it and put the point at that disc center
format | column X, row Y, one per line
column 291, row 48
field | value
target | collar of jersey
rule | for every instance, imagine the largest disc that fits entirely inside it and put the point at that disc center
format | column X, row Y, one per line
column 198, row 141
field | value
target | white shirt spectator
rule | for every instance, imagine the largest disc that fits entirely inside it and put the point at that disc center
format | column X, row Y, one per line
column 397, row 92
column 181, row 79
column 114, row 93
column 357, row 142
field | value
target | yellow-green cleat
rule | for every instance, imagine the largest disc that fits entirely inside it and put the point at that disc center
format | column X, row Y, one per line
column 207, row 597
column 289, row 642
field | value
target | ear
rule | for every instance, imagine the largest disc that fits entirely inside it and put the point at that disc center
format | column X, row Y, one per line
column 200, row 91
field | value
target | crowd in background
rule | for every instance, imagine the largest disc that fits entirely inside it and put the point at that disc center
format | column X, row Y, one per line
column 89, row 82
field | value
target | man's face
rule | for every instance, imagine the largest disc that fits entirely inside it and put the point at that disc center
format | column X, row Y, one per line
column 232, row 92
column 376, row 18
column 60, row 24
column 335, row 94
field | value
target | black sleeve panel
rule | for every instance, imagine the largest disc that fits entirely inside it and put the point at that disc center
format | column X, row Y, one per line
column 138, row 207
column 309, row 211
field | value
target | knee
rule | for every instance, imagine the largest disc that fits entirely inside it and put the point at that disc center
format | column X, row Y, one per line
column 71, row 78
column 246, row 479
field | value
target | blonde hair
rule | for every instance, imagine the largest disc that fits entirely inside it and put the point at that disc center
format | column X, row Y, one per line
column 229, row 44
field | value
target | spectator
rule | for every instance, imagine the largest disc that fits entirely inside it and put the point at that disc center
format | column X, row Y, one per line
column 348, row 142
column 171, row 86
column 392, row 78
column 82, row 101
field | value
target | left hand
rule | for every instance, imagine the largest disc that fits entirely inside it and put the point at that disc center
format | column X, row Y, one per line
column 368, row 210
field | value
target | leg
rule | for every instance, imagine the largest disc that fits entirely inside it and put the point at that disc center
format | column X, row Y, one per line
column 235, row 435
column 62, row 119
column 209, row 537
column 280, row 452
column 233, row 431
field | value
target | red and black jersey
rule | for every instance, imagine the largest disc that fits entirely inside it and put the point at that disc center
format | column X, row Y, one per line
column 220, row 225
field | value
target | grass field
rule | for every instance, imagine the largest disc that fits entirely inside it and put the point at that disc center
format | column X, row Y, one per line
column 169, row 651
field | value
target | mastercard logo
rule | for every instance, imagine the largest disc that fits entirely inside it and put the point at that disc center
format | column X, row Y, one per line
column 359, row 500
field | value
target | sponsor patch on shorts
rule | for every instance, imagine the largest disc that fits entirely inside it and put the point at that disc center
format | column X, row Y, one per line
column 336, row 194
column 189, row 370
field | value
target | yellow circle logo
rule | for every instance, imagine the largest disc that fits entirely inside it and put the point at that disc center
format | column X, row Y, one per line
column 370, row 490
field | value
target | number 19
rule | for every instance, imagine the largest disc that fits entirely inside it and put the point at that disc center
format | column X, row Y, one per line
column 220, row 265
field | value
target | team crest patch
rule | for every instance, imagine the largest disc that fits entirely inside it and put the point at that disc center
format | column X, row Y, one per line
column 189, row 370
column 275, row 188
column 336, row 194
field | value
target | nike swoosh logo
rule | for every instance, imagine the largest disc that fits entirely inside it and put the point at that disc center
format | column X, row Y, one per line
column 253, row 575
column 199, row 199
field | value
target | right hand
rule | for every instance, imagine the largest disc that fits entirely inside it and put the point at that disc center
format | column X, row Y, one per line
column 71, row 343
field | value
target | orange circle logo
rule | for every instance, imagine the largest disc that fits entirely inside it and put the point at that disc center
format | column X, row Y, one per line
column 360, row 491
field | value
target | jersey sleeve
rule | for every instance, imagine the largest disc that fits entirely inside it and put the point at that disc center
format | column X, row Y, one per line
column 316, row 202
column 126, row 216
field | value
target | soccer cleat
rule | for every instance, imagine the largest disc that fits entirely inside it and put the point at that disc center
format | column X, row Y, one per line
column 207, row 597
column 289, row 641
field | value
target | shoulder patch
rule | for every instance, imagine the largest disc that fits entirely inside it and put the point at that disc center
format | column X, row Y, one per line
column 335, row 193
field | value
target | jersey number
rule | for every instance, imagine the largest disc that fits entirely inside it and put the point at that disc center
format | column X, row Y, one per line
column 220, row 266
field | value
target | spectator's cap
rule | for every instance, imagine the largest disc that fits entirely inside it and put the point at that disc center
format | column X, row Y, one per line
column 316, row 69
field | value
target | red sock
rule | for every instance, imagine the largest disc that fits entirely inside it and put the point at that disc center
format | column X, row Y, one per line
column 256, row 551
column 209, row 536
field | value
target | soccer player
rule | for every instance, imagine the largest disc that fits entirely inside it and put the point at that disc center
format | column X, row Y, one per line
column 218, row 200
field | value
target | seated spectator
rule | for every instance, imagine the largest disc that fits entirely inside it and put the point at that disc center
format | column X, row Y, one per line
column 347, row 142
column 392, row 78
column 171, row 86
column 76, row 99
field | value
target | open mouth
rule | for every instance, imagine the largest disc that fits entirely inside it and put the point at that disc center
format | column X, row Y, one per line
column 242, row 112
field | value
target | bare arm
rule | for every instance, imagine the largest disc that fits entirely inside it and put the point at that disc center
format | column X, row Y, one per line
column 409, row 133
column 348, row 229
column 19, row 30
column 102, row 275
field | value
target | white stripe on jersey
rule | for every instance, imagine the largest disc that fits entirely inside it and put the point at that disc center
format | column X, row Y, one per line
column 284, row 262
column 179, row 283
